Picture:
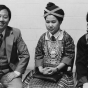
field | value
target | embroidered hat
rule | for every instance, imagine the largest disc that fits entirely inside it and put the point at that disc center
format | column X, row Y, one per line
column 52, row 9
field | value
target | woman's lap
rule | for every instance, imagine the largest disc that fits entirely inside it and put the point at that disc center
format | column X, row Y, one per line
column 65, row 82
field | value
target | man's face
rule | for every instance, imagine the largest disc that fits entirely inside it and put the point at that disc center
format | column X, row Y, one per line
column 4, row 19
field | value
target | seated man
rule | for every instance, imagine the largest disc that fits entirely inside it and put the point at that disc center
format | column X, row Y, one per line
column 14, row 55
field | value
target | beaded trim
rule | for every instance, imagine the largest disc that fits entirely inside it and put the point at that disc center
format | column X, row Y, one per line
column 53, row 12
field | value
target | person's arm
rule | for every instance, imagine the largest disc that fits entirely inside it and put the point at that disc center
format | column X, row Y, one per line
column 23, row 54
column 60, row 66
column 39, row 54
column 68, row 52
column 56, row 69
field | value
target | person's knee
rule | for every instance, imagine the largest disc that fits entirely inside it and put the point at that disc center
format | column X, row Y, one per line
column 16, row 86
column 19, row 86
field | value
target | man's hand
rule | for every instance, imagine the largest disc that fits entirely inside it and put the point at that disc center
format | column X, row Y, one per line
column 8, row 77
column 11, row 76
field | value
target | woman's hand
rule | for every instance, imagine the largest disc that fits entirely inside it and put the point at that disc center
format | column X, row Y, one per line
column 43, row 70
column 47, row 70
column 52, row 70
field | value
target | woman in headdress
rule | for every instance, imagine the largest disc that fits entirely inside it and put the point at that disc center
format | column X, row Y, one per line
column 54, row 52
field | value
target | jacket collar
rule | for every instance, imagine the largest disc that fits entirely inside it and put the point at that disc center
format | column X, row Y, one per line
column 9, row 41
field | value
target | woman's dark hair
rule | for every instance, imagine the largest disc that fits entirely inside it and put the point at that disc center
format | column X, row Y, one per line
column 5, row 7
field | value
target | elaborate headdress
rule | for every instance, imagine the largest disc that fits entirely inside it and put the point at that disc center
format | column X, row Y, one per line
column 52, row 9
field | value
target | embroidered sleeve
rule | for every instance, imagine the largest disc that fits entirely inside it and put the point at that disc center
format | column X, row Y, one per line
column 39, row 53
column 69, row 50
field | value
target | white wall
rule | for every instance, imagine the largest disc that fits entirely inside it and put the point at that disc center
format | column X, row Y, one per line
column 27, row 15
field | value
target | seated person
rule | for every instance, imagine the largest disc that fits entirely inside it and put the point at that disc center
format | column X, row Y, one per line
column 55, row 51
column 82, row 59
column 14, row 54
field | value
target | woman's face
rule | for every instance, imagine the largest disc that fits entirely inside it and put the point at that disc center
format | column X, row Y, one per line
column 52, row 24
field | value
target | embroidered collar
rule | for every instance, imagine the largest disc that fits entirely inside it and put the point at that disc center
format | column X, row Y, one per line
column 58, row 35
